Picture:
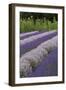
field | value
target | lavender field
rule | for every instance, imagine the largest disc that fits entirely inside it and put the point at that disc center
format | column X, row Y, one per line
column 38, row 44
column 38, row 53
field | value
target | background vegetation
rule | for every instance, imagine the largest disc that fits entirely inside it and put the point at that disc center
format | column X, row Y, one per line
column 38, row 21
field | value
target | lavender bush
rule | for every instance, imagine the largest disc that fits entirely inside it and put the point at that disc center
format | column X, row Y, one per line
column 32, row 38
column 30, row 60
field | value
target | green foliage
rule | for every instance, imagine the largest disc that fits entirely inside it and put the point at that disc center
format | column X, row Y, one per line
column 28, row 25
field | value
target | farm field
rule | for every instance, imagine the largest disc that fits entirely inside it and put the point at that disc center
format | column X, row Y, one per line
column 38, row 44
column 38, row 54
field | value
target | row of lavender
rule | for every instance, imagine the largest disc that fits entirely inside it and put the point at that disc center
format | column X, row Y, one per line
column 34, row 49
column 48, row 66
column 33, row 41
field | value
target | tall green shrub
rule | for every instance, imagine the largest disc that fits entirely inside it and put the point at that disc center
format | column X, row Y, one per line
column 27, row 25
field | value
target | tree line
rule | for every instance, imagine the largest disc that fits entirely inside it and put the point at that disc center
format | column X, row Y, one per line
column 41, row 16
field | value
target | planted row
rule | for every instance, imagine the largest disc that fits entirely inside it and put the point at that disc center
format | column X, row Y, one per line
column 48, row 66
column 27, row 33
column 34, row 37
column 33, row 44
column 30, row 60
column 27, row 36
